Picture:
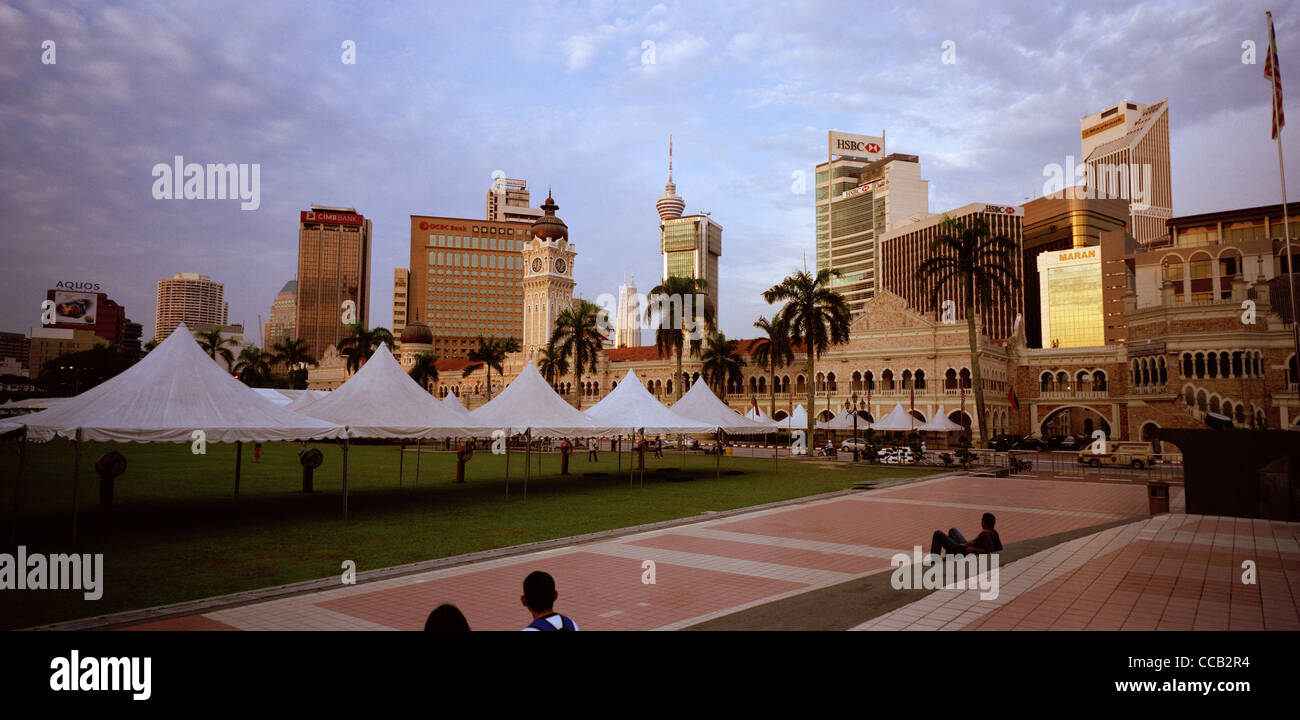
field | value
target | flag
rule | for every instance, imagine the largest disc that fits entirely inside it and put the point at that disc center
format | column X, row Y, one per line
column 869, row 403
column 1011, row 398
column 963, row 401
column 1274, row 74
column 754, row 404
column 911, row 395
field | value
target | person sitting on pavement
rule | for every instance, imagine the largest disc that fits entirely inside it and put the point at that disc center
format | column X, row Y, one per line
column 956, row 544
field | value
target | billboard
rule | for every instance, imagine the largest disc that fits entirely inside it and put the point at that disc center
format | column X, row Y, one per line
column 77, row 308
column 858, row 147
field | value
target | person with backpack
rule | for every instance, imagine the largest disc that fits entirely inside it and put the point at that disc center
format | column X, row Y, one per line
column 539, row 597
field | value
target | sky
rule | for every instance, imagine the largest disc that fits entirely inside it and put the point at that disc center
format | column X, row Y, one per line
column 581, row 97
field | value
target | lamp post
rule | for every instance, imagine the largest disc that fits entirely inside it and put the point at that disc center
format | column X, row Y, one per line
column 855, row 425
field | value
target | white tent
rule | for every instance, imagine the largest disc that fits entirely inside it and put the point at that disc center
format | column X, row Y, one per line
column 941, row 423
column 756, row 413
column 897, row 420
column 529, row 404
column 382, row 401
column 795, row 420
column 630, row 407
column 453, row 403
column 173, row 391
column 843, row 421
column 273, row 395
column 699, row 403
column 33, row 403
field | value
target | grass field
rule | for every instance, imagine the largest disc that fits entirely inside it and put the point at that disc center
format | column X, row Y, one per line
column 176, row 532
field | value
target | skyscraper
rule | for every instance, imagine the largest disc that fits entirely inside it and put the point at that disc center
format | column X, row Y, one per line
column 284, row 315
column 862, row 194
column 192, row 299
column 401, row 278
column 507, row 201
column 333, row 275
column 1126, row 150
column 627, row 318
column 691, row 244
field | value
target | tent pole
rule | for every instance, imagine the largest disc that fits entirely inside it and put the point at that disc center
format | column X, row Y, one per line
column 620, row 454
column 401, row 461
column 76, row 478
column 18, row 484
column 507, row 465
column 239, row 456
column 345, row 478
column 418, row 452
column 528, row 459
column 682, row 439
column 717, row 457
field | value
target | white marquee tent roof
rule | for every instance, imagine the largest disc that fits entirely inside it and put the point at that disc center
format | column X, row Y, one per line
column 529, row 403
column 795, row 420
column 898, row 419
column 453, row 403
column 382, row 401
column 941, row 423
column 630, row 407
column 843, row 421
column 173, row 391
column 699, row 403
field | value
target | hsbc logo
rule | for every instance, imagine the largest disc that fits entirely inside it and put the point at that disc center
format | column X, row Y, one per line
column 1000, row 209
column 856, row 146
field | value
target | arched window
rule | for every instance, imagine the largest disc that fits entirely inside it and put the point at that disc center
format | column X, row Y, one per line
column 1212, row 365
column 1189, row 395
column 1082, row 381
column 950, row 379
column 869, row 379
column 1200, row 365
column 1214, row 404
column 855, row 381
column 830, row 382
column 1062, row 381
column 762, row 384
column 919, row 380
column 964, row 378
column 1045, row 383
column 887, row 380
column 1164, row 374
column 1187, row 366
column 1099, row 381
column 800, row 387
column 907, row 379
column 821, row 382
column 1291, row 370
column 1202, row 402
column 1225, row 365
column 753, row 384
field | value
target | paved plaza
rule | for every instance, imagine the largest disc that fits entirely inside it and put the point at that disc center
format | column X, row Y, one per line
column 1170, row 571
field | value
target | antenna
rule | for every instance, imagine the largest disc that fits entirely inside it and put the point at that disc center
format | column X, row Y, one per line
column 670, row 157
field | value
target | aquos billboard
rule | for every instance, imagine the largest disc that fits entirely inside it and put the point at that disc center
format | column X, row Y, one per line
column 858, row 147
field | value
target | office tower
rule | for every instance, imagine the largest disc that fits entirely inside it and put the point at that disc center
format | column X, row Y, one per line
column 627, row 317
column 333, row 275
column 690, row 244
column 548, row 277
column 1061, row 221
column 862, row 194
column 284, row 315
column 466, row 280
column 1126, row 150
column 192, row 299
column 507, row 201
column 904, row 248
column 401, row 278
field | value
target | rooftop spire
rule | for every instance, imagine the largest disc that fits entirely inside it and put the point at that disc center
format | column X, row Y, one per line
column 671, row 205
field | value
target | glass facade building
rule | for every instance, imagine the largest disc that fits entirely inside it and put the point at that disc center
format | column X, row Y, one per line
column 1071, row 287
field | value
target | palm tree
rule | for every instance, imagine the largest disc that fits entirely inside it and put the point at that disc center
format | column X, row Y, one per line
column 816, row 316
column 254, row 366
column 551, row 365
column 979, row 266
column 721, row 363
column 362, row 343
column 578, row 338
column 425, row 370
column 671, row 333
column 148, row 346
column 772, row 352
column 491, row 352
column 294, row 354
column 214, row 344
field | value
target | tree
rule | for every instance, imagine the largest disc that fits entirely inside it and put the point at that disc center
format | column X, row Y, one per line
column 721, row 363
column 362, row 344
column 293, row 353
column 491, row 352
column 772, row 352
column 254, row 366
column 214, row 344
column 148, row 346
column 551, row 365
column 578, row 338
column 425, row 370
column 979, row 267
column 816, row 316
column 666, row 309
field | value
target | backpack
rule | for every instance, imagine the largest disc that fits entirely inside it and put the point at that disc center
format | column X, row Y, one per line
column 545, row 624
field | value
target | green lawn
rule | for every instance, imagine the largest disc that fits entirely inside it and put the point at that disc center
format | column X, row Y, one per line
column 176, row 533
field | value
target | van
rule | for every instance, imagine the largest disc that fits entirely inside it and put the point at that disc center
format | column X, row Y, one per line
column 1134, row 454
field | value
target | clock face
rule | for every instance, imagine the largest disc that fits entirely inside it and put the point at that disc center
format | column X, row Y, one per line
column 537, row 265
column 559, row 265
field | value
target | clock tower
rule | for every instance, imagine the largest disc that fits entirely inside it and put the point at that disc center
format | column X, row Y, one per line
column 548, row 277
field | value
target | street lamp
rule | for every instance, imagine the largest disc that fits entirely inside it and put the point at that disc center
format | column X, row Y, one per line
column 855, row 424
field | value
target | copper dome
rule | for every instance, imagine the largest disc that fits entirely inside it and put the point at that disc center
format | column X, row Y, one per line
column 548, row 226
column 417, row 333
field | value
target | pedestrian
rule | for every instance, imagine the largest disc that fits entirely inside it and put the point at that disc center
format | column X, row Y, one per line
column 592, row 455
column 539, row 597
column 257, row 452
column 446, row 618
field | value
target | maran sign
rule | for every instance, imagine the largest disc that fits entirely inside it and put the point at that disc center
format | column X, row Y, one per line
column 858, row 147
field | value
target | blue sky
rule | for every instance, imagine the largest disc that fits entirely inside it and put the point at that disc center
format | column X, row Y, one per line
column 443, row 94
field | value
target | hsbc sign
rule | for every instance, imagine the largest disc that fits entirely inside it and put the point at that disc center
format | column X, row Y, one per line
column 858, row 147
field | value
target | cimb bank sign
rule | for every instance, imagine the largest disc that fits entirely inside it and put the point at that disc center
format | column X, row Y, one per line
column 857, row 147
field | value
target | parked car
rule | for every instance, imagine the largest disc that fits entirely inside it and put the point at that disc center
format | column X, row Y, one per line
column 849, row 445
column 1003, row 443
column 1064, row 442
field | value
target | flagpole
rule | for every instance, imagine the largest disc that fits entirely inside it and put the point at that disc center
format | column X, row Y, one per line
column 1274, row 87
